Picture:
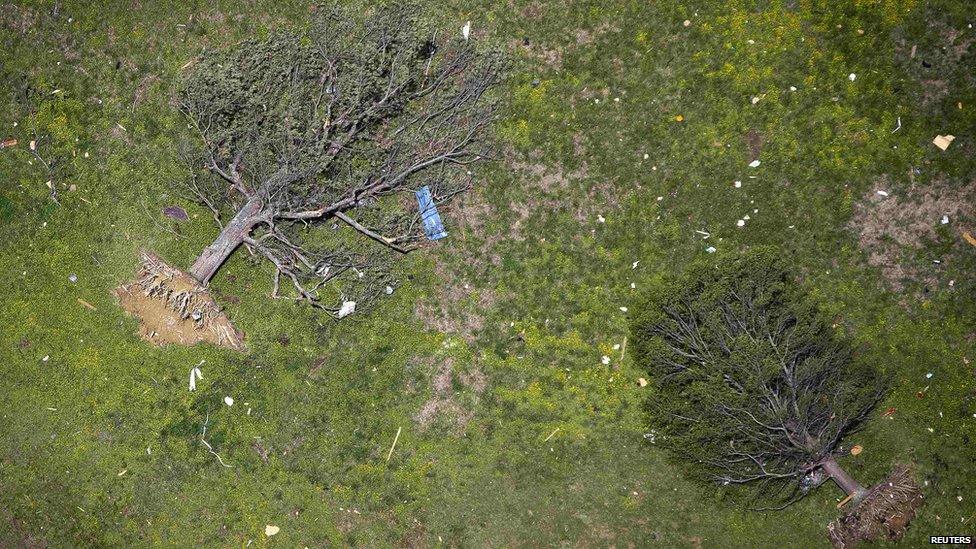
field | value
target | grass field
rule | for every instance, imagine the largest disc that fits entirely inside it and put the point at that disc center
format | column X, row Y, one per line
column 513, row 432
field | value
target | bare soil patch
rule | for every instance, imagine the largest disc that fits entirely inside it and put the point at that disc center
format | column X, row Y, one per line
column 889, row 228
column 443, row 405
column 172, row 307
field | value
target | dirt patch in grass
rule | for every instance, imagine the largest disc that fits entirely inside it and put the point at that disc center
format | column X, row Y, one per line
column 443, row 405
column 754, row 144
column 172, row 307
column 891, row 228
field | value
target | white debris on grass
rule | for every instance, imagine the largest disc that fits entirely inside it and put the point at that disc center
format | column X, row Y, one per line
column 228, row 401
column 605, row 360
column 601, row 219
column 945, row 219
column 634, row 265
column 348, row 308
column 852, row 77
column 740, row 223
column 623, row 309
column 738, row 184
column 883, row 193
column 755, row 163
column 710, row 249
column 466, row 30
column 195, row 375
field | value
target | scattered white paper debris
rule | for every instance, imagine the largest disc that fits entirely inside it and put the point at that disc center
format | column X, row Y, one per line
column 898, row 127
column 945, row 219
column 228, row 401
column 616, row 347
column 660, row 198
column 623, row 309
column 46, row 358
column 755, row 100
column 271, row 530
column 348, row 308
column 466, row 30
column 740, row 223
column 738, row 184
column 792, row 88
column 710, row 249
column 755, row 164
column 852, row 77
column 928, row 375
column 605, row 360
column 601, row 219
column 634, row 265
column 633, row 286
column 389, row 290
column 883, row 193
column 193, row 381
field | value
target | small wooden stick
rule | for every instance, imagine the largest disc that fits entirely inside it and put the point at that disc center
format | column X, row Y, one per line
column 552, row 434
column 623, row 349
column 87, row 304
column 844, row 501
column 395, row 439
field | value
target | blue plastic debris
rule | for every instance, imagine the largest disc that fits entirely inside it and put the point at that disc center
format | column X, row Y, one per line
column 433, row 225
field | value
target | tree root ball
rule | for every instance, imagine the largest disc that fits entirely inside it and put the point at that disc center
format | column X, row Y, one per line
column 883, row 514
column 173, row 307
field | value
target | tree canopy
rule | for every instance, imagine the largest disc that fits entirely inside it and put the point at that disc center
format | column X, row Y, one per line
column 339, row 123
column 751, row 386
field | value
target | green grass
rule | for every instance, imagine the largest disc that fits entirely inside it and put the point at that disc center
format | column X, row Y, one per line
column 544, row 275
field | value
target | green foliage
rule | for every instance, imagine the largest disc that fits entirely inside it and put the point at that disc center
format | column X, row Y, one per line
column 750, row 384
column 536, row 260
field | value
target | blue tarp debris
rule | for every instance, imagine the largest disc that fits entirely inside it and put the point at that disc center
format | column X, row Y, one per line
column 433, row 225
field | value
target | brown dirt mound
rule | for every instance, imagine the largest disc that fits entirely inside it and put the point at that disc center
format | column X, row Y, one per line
column 173, row 307
column 883, row 514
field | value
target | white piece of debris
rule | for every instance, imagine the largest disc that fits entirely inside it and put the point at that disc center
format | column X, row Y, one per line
column 755, row 100
column 942, row 141
column 710, row 249
column 633, row 286
column 605, row 360
column 271, row 530
column 792, row 88
column 755, row 163
column 195, row 374
column 740, row 223
column 73, row 278
column 228, row 401
column 634, row 265
column 898, row 127
column 616, row 347
column 46, row 358
column 883, row 193
column 945, row 219
column 738, row 184
column 928, row 375
column 623, row 309
column 389, row 290
column 466, row 30
column 601, row 219
column 348, row 308
column 852, row 77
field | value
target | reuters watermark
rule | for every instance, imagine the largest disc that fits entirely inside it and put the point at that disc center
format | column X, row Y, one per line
column 950, row 540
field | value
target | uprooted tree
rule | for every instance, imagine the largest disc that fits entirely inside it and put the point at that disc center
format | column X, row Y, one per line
column 750, row 384
column 310, row 146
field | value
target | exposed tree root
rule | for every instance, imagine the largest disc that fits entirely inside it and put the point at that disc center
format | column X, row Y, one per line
column 883, row 514
column 174, row 308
